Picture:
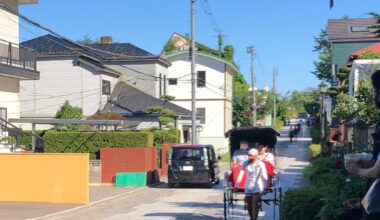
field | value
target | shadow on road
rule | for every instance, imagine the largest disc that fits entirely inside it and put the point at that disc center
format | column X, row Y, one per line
column 182, row 215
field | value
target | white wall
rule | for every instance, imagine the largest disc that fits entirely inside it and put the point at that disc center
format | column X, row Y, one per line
column 9, row 96
column 145, row 83
column 180, row 68
column 9, row 23
column 164, row 72
column 216, row 97
column 359, row 69
column 61, row 80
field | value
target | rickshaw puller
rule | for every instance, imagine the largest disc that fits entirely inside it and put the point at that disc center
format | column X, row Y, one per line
column 255, row 182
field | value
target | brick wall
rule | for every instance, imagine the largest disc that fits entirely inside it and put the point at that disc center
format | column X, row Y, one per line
column 116, row 160
column 164, row 158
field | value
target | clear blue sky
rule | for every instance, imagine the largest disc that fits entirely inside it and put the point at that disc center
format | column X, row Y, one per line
column 281, row 30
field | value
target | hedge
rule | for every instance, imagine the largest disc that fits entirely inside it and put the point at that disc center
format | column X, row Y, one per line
column 302, row 203
column 315, row 150
column 162, row 136
column 91, row 142
column 315, row 133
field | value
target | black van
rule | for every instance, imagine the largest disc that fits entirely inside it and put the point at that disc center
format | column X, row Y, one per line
column 193, row 164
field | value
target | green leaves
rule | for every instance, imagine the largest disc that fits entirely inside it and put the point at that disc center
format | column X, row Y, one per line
column 359, row 110
column 322, row 66
column 68, row 111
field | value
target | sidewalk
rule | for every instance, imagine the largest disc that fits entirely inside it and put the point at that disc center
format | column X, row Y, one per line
column 29, row 210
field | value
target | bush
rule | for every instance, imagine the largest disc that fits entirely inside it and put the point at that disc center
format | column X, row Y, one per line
column 26, row 140
column 162, row 136
column 318, row 167
column 91, row 142
column 315, row 133
column 315, row 150
column 302, row 203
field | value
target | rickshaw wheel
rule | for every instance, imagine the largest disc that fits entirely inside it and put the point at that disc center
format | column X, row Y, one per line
column 225, row 204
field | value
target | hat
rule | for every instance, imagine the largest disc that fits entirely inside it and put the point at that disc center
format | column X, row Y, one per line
column 253, row 151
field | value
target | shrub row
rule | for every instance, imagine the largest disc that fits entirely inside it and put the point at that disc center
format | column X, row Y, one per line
column 162, row 136
column 91, row 142
column 330, row 188
column 315, row 133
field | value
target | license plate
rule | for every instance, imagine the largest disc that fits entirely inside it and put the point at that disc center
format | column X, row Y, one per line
column 187, row 168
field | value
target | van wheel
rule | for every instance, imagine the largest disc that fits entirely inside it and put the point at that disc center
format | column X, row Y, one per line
column 170, row 185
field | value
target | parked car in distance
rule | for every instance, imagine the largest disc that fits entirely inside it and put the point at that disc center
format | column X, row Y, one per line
column 193, row 164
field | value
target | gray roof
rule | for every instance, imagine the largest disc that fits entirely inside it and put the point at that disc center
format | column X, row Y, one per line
column 130, row 100
column 51, row 45
column 339, row 30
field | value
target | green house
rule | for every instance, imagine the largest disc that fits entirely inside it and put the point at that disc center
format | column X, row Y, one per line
column 349, row 35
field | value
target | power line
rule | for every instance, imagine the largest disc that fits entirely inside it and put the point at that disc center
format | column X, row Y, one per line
column 82, row 46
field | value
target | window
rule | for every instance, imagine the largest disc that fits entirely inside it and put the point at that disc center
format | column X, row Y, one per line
column 359, row 29
column 173, row 81
column 201, row 114
column 201, row 78
column 106, row 87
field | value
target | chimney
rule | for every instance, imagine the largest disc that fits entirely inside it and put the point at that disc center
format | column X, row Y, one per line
column 106, row 40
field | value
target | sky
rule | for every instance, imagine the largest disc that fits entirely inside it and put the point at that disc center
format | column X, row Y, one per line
column 280, row 30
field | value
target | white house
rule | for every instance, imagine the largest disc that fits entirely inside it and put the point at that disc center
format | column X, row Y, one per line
column 65, row 75
column 16, row 64
column 213, row 91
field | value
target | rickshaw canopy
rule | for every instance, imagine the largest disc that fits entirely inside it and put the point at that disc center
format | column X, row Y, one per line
column 263, row 135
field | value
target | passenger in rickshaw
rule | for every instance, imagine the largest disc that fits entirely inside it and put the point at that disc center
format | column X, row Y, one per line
column 255, row 182
column 240, row 155
column 268, row 159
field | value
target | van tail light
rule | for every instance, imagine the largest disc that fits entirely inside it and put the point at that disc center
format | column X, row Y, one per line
column 170, row 162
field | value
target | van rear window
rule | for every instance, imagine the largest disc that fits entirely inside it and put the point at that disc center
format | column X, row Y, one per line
column 187, row 154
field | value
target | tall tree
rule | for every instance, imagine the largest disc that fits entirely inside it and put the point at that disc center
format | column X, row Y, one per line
column 241, row 100
column 322, row 65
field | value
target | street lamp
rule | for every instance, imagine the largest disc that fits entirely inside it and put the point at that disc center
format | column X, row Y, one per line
column 322, row 91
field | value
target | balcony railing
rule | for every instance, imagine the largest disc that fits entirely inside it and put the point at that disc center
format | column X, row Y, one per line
column 17, row 56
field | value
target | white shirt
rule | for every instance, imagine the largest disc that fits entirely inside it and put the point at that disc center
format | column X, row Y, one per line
column 256, row 177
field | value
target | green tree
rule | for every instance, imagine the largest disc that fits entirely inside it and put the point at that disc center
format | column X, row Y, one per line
column 229, row 53
column 169, row 46
column 165, row 115
column 345, row 108
column 241, row 100
column 367, row 113
column 376, row 16
column 68, row 111
column 322, row 66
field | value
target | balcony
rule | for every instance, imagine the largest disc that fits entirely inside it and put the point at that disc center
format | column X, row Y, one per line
column 18, row 62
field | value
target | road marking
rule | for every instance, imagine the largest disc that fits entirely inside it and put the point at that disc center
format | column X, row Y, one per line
column 93, row 203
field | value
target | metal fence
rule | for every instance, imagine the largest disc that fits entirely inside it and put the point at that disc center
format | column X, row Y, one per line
column 17, row 56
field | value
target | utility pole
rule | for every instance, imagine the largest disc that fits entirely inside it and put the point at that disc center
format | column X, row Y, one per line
column 193, row 78
column 275, row 73
column 251, row 50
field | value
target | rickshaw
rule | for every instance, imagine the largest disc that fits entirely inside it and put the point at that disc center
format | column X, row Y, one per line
column 254, row 136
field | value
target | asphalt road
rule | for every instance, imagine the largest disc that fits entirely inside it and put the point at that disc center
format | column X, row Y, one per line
column 194, row 202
